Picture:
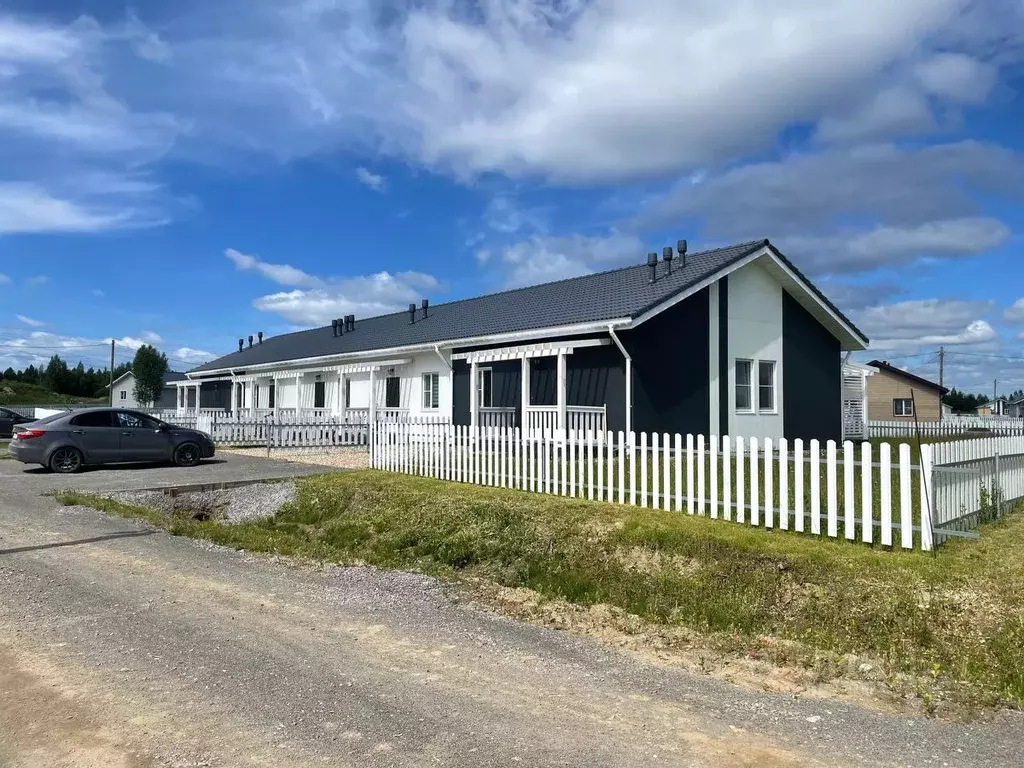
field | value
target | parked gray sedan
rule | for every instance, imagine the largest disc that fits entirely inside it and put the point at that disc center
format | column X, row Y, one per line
column 68, row 441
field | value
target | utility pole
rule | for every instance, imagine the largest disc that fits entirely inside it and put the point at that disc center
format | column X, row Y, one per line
column 111, row 373
column 942, row 371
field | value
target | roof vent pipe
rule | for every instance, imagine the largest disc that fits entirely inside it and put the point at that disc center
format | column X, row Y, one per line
column 681, row 248
column 334, row 327
column 426, row 306
column 666, row 256
column 260, row 336
column 241, row 344
column 412, row 313
column 250, row 342
column 652, row 265
column 341, row 326
column 350, row 322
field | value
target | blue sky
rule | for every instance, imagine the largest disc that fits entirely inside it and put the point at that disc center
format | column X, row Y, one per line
column 193, row 172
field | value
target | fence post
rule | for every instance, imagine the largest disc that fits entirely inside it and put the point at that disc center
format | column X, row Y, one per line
column 997, row 490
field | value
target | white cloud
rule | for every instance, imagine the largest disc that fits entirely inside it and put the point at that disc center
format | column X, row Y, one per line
column 374, row 181
column 1015, row 313
column 368, row 296
column 889, row 112
column 957, row 77
column 541, row 259
column 98, row 293
column 283, row 274
column 506, row 215
column 926, row 323
column 30, row 322
column 189, row 356
column 895, row 246
column 152, row 338
column 26, row 208
column 4, row 278
column 37, row 280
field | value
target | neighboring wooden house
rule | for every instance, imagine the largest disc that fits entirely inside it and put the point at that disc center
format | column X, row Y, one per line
column 998, row 407
column 894, row 393
column 1015, row 408
column 733, row 340
column 124, row 392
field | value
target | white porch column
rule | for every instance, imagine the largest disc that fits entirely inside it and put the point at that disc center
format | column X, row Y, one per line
column 525, row 390
column 277, row 398
column 474, row 396
column 373, row 396
column 339, row 397
column 181, row 398
column 298, row 394
column 562, row 394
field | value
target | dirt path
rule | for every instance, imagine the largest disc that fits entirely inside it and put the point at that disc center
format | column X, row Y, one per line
column 124, row 648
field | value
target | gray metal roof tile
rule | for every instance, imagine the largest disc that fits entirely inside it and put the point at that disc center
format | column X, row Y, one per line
column 619, row 293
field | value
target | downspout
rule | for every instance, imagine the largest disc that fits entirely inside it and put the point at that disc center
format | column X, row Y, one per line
column 437, row 349
column 629, row 379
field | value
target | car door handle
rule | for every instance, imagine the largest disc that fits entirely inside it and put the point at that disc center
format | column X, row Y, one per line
column 77, row 431
column 128, row 434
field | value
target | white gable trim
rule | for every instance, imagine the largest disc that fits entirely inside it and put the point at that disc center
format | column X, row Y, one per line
column 853, row 340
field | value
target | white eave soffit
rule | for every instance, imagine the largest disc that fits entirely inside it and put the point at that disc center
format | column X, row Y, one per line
column 528, row 351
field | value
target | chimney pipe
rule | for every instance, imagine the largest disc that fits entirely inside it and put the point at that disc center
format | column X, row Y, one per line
column 260, row 336
column 652, row 265
column 426, row 306
column 681, row 248
column 666, row 256
column 250, row 342
column 334, row 326
column 341, row 326
column 351, row 322
column 241, row 344
column 412, row 313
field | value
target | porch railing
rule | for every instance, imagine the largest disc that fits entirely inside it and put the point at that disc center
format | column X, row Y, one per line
column 581, row 418
column 503, row 418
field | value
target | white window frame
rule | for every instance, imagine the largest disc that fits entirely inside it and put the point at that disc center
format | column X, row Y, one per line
column 430, row 391
column 775, row 390
column 749, row 385
column 480, row 387
column 124, row 394
column 906, row 401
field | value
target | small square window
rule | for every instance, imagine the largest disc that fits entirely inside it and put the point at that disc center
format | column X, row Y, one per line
column 902, row 406
column 744, row 386
column 766, row 386
column 124, row 394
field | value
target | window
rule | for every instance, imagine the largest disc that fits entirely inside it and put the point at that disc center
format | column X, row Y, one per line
column 124, row 394
column 766, row 385
column 431, row 395
column 484, row 387
column 348, row 393
column 744, row 399
column 902, row 406
column 129, row 420
column 392, row 392
column 271, row 395
column 319, row 394
column 94, row 419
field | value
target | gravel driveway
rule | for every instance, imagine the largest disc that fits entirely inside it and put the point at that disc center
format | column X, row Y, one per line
column 121, row 646
column 224, row 467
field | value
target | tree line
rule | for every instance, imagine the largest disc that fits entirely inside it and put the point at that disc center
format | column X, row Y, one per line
column 58, row 377
column 962, row 402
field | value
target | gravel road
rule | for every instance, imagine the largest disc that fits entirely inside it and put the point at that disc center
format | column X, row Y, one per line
column 122, row 646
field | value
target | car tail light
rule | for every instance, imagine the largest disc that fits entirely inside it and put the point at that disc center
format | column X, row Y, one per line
column 29, row 434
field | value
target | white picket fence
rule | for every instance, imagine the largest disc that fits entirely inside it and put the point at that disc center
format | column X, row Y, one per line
column 276, row 434
column 948, row 427
column 833, row 490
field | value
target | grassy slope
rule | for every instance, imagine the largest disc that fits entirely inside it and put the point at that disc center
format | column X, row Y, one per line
column 954, row 617
column 19, row 393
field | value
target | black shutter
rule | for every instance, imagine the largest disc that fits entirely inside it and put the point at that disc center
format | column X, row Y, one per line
column 320, row 394
column 392, row 398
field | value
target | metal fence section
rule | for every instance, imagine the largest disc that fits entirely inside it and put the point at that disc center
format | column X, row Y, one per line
column 975, row 481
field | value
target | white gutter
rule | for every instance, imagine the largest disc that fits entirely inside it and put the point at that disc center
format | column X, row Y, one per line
column 539, row 333
column 629, row 379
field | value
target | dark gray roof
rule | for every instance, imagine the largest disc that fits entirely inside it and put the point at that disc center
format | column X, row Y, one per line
column 172, row 376
column 618, row 293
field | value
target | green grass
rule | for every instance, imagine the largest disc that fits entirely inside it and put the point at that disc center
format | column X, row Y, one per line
column 953, row 618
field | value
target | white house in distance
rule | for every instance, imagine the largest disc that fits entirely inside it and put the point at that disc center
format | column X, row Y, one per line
column 733, row 340
column 124, row 391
